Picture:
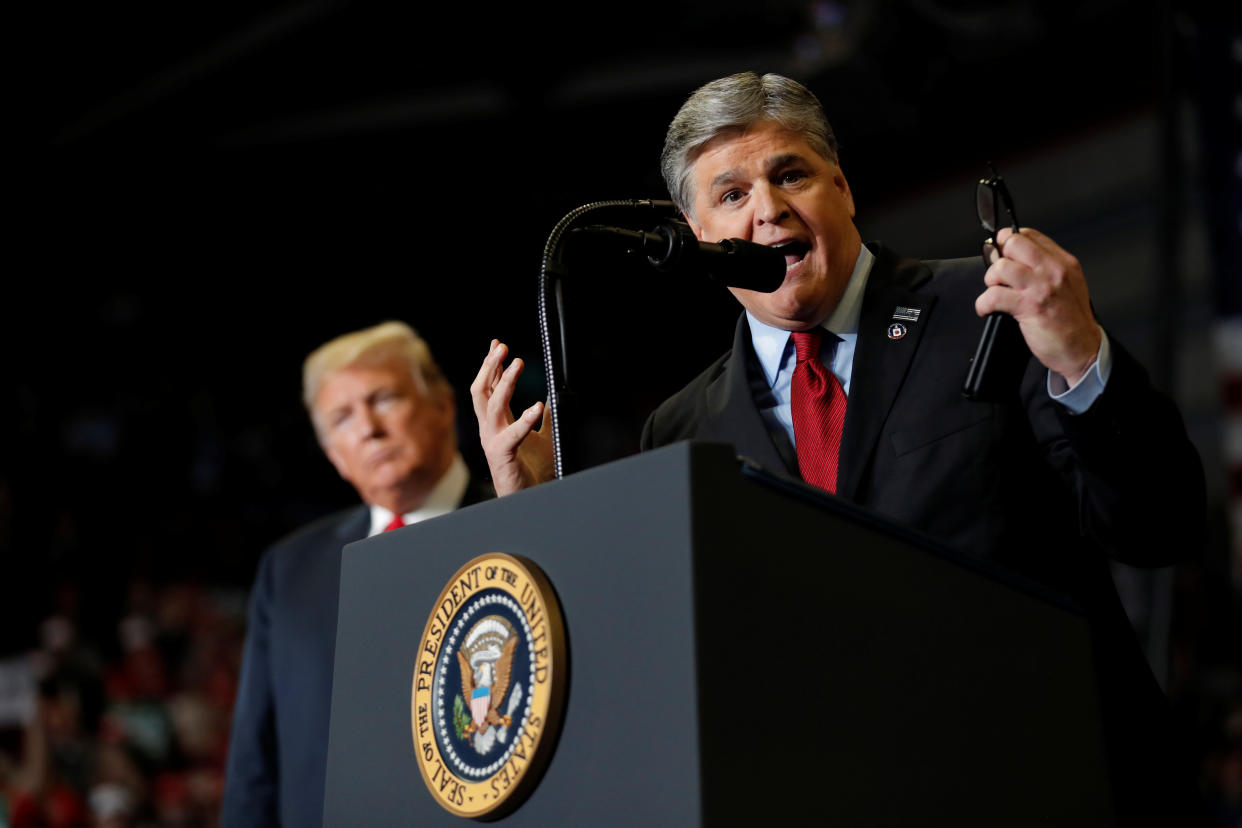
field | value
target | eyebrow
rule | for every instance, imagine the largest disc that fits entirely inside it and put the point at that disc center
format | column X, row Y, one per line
column 725, row 177
column 779, row 161
column 770, row 166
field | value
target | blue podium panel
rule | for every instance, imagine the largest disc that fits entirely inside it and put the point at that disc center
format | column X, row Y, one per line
column 738, row 650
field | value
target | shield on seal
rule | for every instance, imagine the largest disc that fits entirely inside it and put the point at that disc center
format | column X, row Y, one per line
column 479, row 704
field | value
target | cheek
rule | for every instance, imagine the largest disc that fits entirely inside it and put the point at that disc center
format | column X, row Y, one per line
column 420, row 433
column 740, row 227
column 717, row 227
column 757, row 303
column 342, row 459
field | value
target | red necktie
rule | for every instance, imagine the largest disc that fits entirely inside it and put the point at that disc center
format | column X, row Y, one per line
column 395, row 523
column 818, row 413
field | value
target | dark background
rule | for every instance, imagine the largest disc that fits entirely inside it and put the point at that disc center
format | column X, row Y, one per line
column 210, row 192
column 202, row 193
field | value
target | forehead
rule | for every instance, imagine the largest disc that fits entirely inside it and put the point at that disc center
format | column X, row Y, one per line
column 345, row 385
column 751, row 151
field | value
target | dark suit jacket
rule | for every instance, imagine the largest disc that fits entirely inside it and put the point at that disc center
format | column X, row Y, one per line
column 279, row 743
column 1023, row 483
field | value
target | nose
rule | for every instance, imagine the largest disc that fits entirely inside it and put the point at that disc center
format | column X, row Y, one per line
column 369, row 423
column 769, row 205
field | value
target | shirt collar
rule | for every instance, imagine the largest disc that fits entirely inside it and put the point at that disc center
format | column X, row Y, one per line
column 442, row 499
column 769, row 343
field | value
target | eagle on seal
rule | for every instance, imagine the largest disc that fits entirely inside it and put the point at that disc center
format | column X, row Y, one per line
column 491, row 679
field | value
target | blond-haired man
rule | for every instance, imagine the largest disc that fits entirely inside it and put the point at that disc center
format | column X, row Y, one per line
column 384, row 416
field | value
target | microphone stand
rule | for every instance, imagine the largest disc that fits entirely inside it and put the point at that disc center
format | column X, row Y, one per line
column 552, row 329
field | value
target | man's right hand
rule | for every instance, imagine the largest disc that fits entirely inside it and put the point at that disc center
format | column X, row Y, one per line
column 518, row 455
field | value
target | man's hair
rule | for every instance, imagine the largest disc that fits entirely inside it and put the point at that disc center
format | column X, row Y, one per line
column 733, row 105
column 374, row 346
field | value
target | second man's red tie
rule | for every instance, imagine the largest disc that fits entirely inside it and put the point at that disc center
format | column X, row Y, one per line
column 818, row 404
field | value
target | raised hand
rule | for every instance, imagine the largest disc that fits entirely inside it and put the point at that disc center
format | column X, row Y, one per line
column 1039, row 284
column 518, row 455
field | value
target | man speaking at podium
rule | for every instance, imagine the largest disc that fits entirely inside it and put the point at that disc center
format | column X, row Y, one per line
column 385, row 417
column 849, row 377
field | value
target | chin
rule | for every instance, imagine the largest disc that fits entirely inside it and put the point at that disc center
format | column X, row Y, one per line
column 794, row 312
column 388, row 478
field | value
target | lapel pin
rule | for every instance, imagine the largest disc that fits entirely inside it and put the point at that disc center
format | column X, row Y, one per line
column 896, row 330
column 907, row 314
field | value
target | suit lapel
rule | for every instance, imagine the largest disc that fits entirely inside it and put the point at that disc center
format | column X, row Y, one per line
column 732, row 415
column 355, row 525
column 880, row 361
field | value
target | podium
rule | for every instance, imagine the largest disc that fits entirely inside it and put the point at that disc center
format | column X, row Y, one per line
column 742, row 650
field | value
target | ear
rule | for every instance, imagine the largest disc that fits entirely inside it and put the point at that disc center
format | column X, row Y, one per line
column 444, row 422
column 694, row 225
column 330, row 451
column 843, row 187
column 448, row 410
column 334, row 457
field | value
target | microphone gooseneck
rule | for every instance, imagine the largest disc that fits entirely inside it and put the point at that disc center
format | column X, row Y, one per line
column 671, row 247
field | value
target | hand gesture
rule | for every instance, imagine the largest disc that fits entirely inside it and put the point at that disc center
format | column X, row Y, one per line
column 517, row 455
column 1040, row 285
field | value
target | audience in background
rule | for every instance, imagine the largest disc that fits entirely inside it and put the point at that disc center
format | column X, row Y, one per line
column 138, row 737
column 134, row 738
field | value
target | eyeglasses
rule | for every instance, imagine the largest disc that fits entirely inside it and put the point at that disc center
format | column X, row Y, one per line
column 994, row 205
column 1001, row 354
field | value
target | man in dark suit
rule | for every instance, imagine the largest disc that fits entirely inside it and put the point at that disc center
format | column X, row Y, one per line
column 384, row 415
column 1082, row 461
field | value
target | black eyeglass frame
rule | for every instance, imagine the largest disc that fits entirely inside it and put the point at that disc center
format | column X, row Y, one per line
column 991, row 195
column 996, row 368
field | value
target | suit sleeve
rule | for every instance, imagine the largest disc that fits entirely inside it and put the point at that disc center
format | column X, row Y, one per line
column 1137, row 477
column 646, row 441
column 251, row 792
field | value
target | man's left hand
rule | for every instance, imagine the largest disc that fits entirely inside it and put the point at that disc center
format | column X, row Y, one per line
column 1038, row 283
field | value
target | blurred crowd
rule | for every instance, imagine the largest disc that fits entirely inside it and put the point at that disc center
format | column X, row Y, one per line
column 125, row 725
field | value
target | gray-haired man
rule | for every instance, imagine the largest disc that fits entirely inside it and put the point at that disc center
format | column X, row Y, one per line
column 1086, row 462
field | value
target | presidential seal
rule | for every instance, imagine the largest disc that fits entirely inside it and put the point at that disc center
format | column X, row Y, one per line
column 489, row 686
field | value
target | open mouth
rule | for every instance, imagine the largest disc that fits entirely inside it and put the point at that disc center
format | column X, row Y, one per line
column 795, row 252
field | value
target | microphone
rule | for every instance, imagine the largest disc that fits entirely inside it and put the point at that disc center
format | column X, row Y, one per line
column 672, row 248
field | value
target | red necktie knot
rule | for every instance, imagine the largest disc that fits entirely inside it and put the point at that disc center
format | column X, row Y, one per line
column 395, row 523
column 806, row 344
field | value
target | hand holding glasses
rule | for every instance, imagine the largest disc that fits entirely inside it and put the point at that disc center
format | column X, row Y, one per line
column 996, row 368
